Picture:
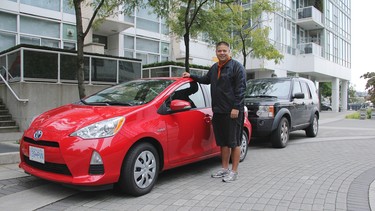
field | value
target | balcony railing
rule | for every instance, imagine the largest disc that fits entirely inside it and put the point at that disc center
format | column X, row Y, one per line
column 310, row 48
column 309, row 18
column 35, row 63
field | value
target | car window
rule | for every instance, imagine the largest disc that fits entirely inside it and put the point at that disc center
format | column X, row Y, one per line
column 130, row 93
column 261, row 88
column 296, row 88
column 306, row 90
column 190, row 92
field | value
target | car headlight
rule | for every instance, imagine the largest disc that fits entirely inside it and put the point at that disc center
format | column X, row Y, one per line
column 101, row 129
column 266, row 111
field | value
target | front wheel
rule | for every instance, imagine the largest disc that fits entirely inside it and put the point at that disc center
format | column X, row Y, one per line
column 244, row 146
column 140, row 170
column 313, row 128
column 280, row 136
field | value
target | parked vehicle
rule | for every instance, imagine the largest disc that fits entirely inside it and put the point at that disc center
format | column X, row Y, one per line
column 325, row 107
column 124, row 135
column 278, row 106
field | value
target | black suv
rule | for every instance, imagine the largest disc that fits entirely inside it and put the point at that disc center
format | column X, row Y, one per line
column 278, row 106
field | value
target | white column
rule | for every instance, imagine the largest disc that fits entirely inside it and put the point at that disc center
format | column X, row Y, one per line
column 344, row 95
column 335, row 95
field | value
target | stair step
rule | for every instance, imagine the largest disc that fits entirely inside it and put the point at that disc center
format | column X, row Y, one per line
column 4, row 112
column 7, row 123
column 7, row 129
column 5, row 117
column 2, row 107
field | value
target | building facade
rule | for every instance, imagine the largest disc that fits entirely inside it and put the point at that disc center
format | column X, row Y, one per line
column 313, row 35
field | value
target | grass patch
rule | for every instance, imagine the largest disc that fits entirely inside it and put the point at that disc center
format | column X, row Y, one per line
column 355, row 115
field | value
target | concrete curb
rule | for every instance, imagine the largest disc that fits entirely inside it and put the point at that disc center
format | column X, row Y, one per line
column 9, row 158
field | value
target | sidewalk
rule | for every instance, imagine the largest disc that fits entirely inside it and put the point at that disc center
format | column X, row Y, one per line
column 38, row 196
column 9, row 148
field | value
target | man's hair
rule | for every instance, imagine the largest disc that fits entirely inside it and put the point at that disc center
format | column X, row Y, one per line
column 222, row 43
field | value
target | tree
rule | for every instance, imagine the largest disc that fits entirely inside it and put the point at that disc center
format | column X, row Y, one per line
column 370, row 85
column 185, row 18
column 244, row 29
column 101, row 9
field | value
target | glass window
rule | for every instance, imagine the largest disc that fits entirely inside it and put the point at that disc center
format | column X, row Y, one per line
column 68, row 8
column 8, row 22
column 152, row 58
column 30, row 40
column 46, row 4
column 129, row 70
column 192, row 93
column 165, row 48
column 39, row 27
column 69, row 46
column 296, row 88
column 69, row 32
column 40, row 65
column 147, row 25
column 66, row 64
column 7, row 41
column 51, row 43
column 147, row 45
column 14, row 64
column 103, row 70
column 128, row 54
column 306, row 90
column 128, row 42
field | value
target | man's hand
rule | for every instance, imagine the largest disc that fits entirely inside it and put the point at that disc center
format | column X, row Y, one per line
column 186, row 75
column 234, row 113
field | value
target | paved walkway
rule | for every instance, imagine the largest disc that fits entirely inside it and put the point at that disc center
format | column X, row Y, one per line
column 334, row 171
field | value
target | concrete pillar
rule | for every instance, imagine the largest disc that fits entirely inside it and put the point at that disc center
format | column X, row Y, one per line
column 335, row 95
column 344, row 95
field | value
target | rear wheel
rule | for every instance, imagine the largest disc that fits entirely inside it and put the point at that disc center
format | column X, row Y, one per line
column 280, row 136
column 313, row 128
column 244, row 146
column 140, row 170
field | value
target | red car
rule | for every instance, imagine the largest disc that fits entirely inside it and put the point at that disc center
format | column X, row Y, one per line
column 124, row 135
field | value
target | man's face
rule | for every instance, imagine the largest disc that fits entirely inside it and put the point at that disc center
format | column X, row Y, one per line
column 222, row 53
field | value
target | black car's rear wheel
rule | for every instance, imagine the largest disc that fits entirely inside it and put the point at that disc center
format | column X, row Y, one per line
column 280, row 136
column 140, row 170
column 313, row 128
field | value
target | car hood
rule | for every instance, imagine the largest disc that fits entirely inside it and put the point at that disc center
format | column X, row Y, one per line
column 264, row 101
column 72, row 117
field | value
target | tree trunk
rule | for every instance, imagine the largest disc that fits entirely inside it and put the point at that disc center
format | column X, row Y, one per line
column 187, row 51
column 80, row 57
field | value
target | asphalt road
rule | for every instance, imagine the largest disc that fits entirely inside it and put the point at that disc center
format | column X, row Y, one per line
column 333, row 171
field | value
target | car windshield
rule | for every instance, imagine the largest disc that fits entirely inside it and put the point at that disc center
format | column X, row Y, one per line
column 130, row 93
column 268, row 88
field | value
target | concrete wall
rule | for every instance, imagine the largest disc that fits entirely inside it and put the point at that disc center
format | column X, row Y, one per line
column 41, row 96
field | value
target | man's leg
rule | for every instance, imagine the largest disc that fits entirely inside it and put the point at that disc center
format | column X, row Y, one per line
column 225, row 156
column 235, row 156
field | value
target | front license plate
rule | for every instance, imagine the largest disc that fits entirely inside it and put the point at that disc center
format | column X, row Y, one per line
column 36, row 154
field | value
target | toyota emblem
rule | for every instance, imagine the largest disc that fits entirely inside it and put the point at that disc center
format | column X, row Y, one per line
column 38, row 134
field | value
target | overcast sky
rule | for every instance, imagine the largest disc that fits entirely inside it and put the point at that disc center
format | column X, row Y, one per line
column 363, row 41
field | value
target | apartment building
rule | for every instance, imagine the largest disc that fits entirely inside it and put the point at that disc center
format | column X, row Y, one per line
column 313, row 35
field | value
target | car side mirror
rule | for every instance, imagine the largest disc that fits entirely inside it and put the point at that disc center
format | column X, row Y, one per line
column 299, row 95
column 178, row 105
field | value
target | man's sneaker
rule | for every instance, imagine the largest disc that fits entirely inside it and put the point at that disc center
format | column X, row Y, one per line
column 230, row 177
column 221, row 173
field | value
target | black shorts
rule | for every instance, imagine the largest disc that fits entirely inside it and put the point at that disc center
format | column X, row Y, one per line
column 228, row 131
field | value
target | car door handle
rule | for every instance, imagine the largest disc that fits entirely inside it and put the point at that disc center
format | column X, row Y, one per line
column 207, row 118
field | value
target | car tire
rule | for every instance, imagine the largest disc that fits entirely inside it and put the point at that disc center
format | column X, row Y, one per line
column 244, row 146
column 280, row 136
column 313, row 128
column 140, row 170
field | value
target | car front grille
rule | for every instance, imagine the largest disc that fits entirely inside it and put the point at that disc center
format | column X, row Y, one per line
column 41, row 142
column 49, row 167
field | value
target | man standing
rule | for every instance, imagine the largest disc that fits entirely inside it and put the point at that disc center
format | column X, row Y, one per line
column 228, row 84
